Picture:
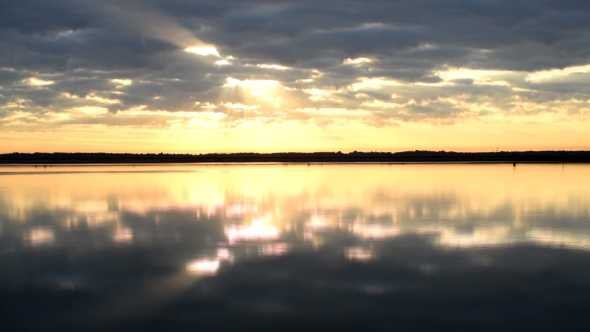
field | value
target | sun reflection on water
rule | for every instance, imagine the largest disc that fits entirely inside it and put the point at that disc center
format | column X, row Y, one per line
column 272, row 210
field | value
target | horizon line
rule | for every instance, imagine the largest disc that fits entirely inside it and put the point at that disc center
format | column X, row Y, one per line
column 291, row 152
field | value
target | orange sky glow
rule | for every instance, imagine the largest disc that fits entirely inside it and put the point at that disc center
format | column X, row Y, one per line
column 149, row 80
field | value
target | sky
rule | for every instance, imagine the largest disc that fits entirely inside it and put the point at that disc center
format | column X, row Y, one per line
column 200, row 76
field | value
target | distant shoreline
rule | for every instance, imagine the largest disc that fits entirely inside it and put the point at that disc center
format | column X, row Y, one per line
column 409, row 157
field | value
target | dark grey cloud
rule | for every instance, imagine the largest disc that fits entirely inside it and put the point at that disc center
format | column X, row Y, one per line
column 45, row 17
column 81, row 46
column 262, row 28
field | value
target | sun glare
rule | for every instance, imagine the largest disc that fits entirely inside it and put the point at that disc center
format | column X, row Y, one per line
column 232, row 82
column 250, row 94
column 202, row 50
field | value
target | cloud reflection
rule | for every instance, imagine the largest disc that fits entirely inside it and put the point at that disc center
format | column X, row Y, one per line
column 124, row 235
column 374, row 245
column 256, row 231
column 273, row 210
column 203, row 266
column 40, row 236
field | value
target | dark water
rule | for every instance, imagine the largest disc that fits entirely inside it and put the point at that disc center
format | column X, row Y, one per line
column 295, row 248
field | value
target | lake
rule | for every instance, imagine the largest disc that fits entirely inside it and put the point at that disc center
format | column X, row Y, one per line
column 295, row 247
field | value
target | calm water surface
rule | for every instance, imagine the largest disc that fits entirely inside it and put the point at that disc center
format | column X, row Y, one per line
column 267, row 247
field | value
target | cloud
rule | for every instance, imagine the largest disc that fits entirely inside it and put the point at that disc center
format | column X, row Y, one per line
column 430, row 50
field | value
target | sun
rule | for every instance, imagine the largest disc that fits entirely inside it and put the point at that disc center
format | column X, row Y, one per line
column 253, row 84
column 254, row 92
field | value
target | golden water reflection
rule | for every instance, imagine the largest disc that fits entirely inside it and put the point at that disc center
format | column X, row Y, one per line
column 244, row 210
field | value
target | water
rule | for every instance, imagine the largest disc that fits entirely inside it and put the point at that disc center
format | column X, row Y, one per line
column 266, row 247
